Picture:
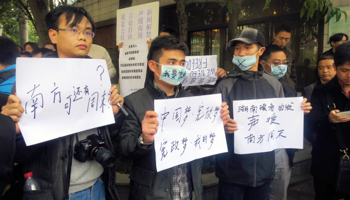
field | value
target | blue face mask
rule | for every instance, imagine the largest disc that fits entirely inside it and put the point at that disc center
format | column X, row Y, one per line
column 172, row 74
column 244, row 62
column 278, row 71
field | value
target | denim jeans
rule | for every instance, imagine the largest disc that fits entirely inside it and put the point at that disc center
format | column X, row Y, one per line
column 96, row 192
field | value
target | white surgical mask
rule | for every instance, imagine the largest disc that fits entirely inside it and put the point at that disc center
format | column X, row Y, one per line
column 172, row 74
column 245, row 62
column 277, row 71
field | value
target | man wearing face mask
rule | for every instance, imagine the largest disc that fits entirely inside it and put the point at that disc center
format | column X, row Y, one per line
column 246, row 176
column 275, row 63
column 165, row 72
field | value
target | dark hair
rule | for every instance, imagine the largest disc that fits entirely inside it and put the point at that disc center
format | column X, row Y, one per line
column 26, row 54
column 170, row 31
column 342, row 54
column 31, row 44
column 324, row 57
column 337, row 37
column 52, row 18
column 269, row 50
column 156, row 50
column 42, row 51
column 19, row 46
column 283, row 27
column 8, row 51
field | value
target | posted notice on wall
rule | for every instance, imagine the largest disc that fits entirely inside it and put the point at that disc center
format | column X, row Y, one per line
column 62, row 96
column 132, row 66
column 189, row 128
column 200, row 70
column 268, row 124
column 138, row 22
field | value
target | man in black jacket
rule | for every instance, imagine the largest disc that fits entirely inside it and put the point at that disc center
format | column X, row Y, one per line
column 246, row 176
column 138, row 129
column 7, row 150
column 328, row 100
column 62, row 176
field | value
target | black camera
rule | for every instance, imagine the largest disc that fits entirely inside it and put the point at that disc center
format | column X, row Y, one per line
column 92, row 148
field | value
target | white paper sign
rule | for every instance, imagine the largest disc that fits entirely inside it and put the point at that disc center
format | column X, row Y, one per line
column 268, row 124
column 200, row 70
column 189, row 128
column 62, row 96
column 132, row 66
column 138, row 22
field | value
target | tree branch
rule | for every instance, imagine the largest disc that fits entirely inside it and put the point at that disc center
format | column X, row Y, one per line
column 25, row 10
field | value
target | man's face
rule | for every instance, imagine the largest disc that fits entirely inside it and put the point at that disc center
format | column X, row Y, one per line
column 336, row 44
column 69, row 44
column 326, row 70
column 170, row 57
column 28, row 48
column 243, row 49
column 277, row 58
column 343, row 73
column 281, row 39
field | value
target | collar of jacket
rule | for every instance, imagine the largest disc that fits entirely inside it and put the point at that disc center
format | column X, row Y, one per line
column 159, row 93
column 55, row 55
column 333, row 85
column 247, row 75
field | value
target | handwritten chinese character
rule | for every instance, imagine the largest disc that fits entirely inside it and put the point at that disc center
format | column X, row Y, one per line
column 242, row 108
column 163, row 117
column 253, row 109
column 261, row 139
column 93, row 101
column 34, row 101
column 187, row 110
column 197, row 142
column 263, row 107
column 211, row 136
column 271, row 107
column 250, row 138
column 56, row 93
column 280, row 134
column 184, row 143
column 208, row 112
column 271, row 135
column 177, row 114
column 272, row 119
column 163, row 149
column 174, row 145
column 200, row 114
column 289, row 107
column 215, row 113
column 253, row 121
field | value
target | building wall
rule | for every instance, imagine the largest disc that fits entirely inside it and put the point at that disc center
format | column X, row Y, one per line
column 101, row 10
column 336, row 3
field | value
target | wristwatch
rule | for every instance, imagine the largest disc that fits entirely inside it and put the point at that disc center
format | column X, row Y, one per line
column 142, row 144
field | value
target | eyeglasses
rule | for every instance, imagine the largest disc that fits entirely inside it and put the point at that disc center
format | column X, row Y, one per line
column 74, row 31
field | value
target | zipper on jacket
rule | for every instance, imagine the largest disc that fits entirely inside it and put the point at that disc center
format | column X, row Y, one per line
column 255, row 159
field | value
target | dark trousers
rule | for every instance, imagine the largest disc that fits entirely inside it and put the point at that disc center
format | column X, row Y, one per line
column 326, row 191
column 237, row 192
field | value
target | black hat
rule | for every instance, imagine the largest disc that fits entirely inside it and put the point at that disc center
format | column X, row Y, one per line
column 248, row 36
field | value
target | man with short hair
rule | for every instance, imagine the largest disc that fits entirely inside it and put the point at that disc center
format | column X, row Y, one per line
column 8, row 55
column 138, row 129
column 246, row 176
column 281, row 36
column 325, row 72
column 328, row 100
column 336, row 40
column 274, row 61
column 71, row 29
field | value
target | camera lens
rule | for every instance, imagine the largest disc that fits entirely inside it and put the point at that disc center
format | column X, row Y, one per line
column 104, row 157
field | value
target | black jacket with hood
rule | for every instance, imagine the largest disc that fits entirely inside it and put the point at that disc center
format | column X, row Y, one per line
column 256, row 169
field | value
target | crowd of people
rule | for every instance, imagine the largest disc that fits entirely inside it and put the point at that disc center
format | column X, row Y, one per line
column 262, row 71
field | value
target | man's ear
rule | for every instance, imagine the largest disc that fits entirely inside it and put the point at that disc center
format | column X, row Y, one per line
column 53, row 36
column 152, row 66
column 262, row 50
column 261, row 62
